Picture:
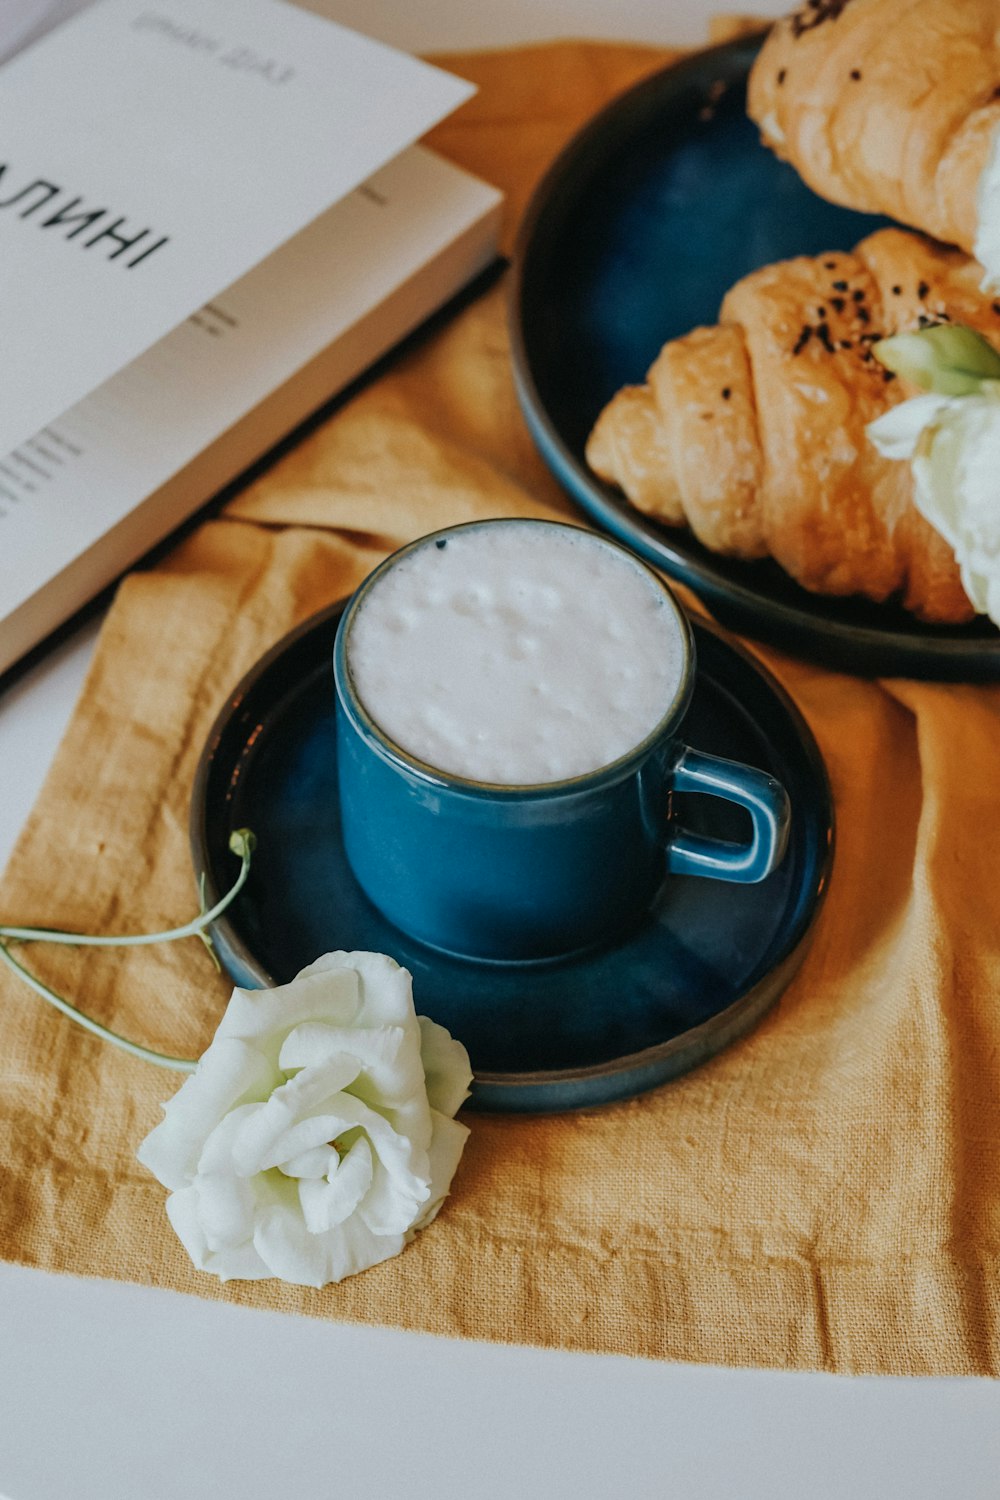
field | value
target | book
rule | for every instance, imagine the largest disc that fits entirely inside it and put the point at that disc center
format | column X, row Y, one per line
column 84, row 499
column 105, row 479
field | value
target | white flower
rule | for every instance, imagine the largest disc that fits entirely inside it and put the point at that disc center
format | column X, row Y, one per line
column 953, row 444
column 317, row 1133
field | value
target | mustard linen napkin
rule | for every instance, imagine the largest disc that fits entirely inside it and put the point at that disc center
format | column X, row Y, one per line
column 824, row 1195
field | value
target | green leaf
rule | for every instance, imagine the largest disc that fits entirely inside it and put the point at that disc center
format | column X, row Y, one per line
column 949, row 359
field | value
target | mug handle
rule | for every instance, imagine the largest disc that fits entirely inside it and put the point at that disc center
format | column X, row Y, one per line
column 764, row 799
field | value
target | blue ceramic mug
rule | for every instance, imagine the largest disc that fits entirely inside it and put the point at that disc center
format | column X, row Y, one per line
column 532, row 872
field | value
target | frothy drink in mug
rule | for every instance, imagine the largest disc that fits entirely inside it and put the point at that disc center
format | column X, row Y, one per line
column 509, row 695
column 516, row 655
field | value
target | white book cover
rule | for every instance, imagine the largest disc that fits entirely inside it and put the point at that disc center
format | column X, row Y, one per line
column 100, row 480
column 152, row 155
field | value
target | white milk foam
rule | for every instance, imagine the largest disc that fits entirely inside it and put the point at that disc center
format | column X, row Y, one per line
column 516, row 654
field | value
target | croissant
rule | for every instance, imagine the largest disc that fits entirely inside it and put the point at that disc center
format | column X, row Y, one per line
column 891, row 106
column 753, row 432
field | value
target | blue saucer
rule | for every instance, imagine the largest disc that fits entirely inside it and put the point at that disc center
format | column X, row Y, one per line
column 694, row 973
column 652, row 212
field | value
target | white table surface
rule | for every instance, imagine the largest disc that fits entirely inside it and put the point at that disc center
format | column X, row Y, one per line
column 111, row 1392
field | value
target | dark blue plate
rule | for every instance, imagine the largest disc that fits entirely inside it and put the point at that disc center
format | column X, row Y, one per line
column 644, row 222
column 697, row 970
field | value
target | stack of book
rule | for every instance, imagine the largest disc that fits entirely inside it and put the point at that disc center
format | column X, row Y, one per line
column 217, row 222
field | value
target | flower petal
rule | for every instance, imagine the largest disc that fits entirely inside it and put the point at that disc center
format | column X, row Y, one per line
column 303, row 1113
column 896, row 432
column 331, row 994
column 447, row 1145
column 259, row 1147
column 327, row 1204
column 352, row 1247
column 386, row 989
column 395, row 1200
column 217, row 1152
column 229, row 1073
column 390, row 1055
column 291, row 1252
column 319, row 1161
column 390, row 1077
column 226, row 1207
column 394, row 1149
column 182, row 1211
column 446, row 1065
column 237, row 1263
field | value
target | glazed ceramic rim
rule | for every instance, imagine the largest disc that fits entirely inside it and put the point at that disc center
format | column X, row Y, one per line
column 860, row 648
column 403, row 760
column 736, row 1019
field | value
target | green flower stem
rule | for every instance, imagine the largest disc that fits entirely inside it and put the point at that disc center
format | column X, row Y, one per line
column 178, row 1064
column 242, row 842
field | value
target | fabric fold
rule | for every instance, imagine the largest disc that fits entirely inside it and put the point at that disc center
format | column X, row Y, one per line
column 824, row 1195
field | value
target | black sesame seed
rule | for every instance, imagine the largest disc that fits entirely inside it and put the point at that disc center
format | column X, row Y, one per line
column 831, row 265
column 856, row 74
column 888, row 374
column 922, row 290
column 442, row 544
column 863, row 316
column 897, row 291
column 821, row 312
column 726, row 393
column 837, row 303
column 845, row 344
column 803, row 339
column 823, row 334
column 782, row 75
column 840, row 286
column 996, row 307
column 858, row 295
